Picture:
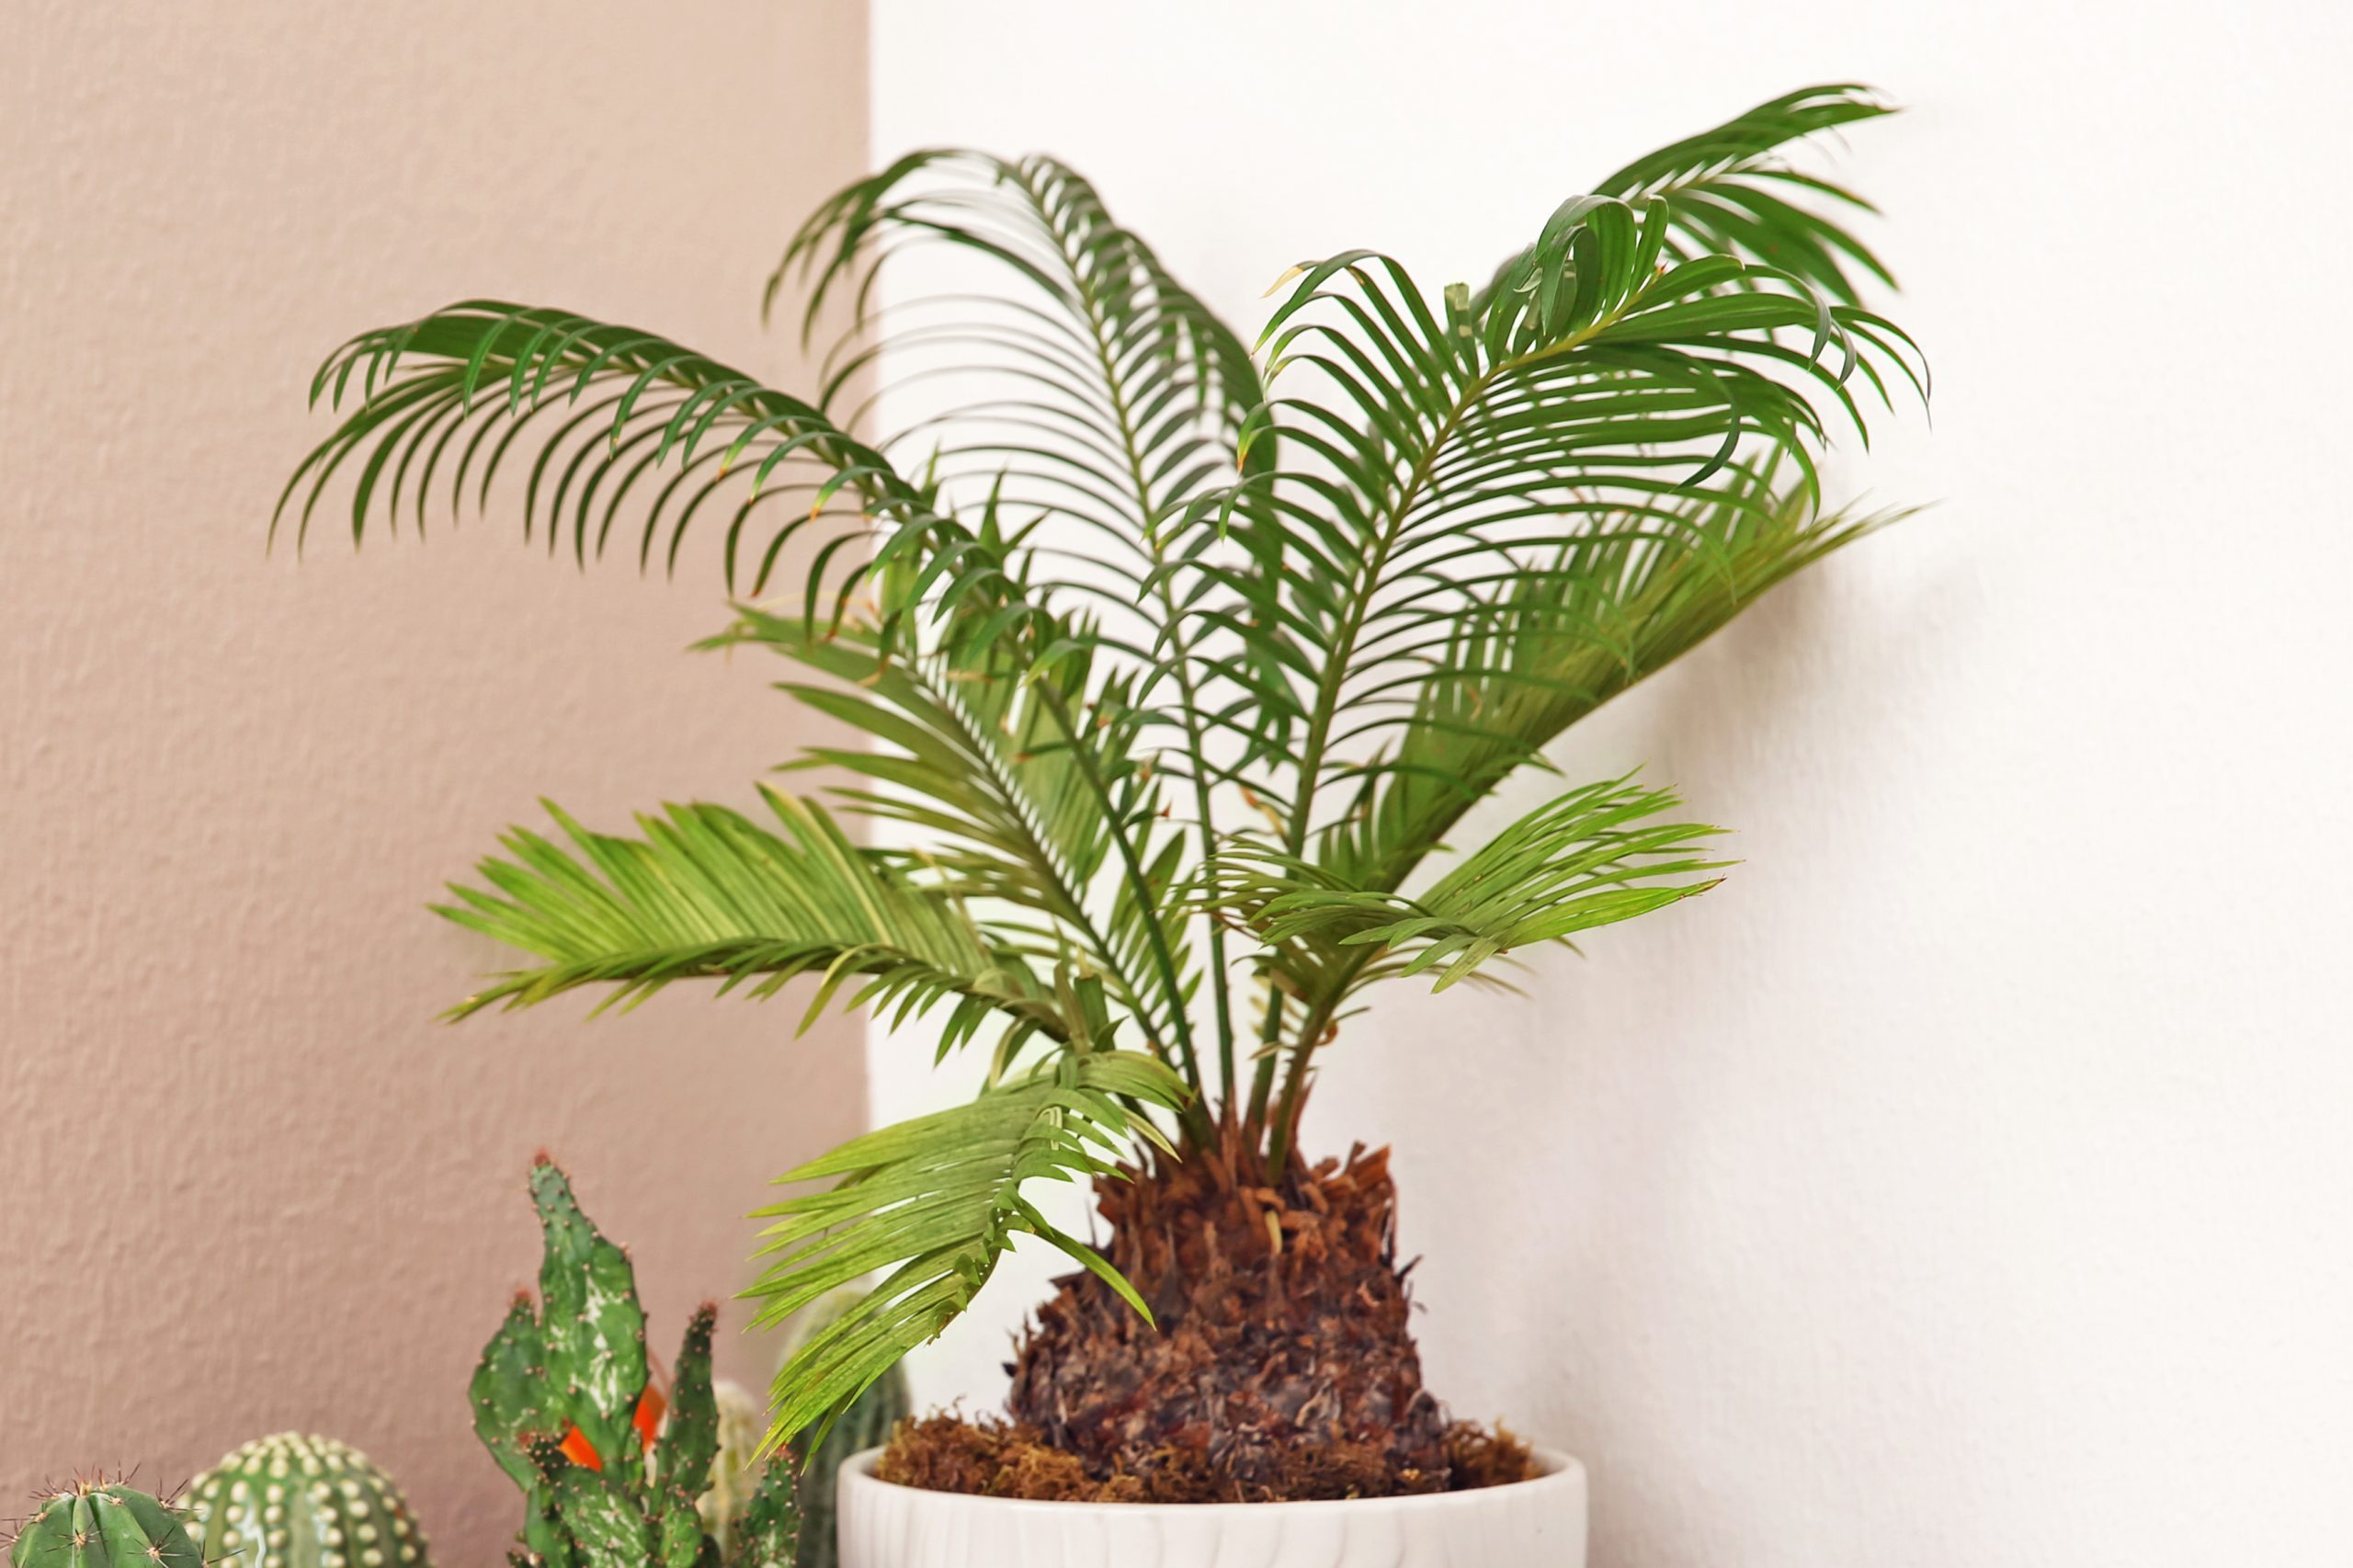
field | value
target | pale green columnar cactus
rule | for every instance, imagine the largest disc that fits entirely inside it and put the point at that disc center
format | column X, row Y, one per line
column 865, row 1424
column 291, row 1501
column 736, row 1470
column 94, row 1525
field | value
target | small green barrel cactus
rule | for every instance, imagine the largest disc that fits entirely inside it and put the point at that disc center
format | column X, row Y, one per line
column 95, row 1525
column 866, row 1423
column 290, row 1501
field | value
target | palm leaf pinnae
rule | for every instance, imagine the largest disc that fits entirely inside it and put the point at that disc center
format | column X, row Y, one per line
column 1598, row 381
column 936, row 1201
column 1590, row 858
column 1728, row 191
column 971, row 754
column 708, row 892
column 1154, row 386
column 1555, row 641
column 1157, row 386
column 611, row 416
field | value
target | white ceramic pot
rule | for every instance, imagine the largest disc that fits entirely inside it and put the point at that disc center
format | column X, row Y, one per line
column 1535, row 1524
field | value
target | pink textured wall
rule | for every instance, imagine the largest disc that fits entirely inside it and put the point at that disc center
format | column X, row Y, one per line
column 247, row 1183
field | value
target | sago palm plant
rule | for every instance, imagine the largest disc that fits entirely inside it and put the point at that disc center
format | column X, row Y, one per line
column 1182, row 660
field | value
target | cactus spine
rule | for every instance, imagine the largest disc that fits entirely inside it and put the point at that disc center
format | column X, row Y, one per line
column 94, row 1525
column 290, row 1501
column 868, row 1423
column 563, row 1401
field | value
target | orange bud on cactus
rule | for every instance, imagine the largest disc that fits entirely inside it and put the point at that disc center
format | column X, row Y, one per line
column 650, row 1406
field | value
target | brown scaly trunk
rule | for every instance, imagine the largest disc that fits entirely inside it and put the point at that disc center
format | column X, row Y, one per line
column 1282, row 1366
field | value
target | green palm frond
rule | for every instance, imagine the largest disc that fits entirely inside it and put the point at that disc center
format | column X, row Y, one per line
column 936, row 1201
column 970, row 747
column 1127, row 392
column 1131, row 398
column 1591, row 618
column 616, row 423
column 708, row 892
column 1022, row 767
column 1592, row 856
column 1598, row 388
column 1728, row 191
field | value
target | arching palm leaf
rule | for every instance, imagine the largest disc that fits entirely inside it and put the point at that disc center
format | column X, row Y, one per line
column 1727, row 193
column 706, row 893
column 1131, row 397
column 1106, row 388
column 1590, row 858
column 1002, row 757
column 1598, row 388
column 1587, row 622
column 619, row 423
column 936, row 1201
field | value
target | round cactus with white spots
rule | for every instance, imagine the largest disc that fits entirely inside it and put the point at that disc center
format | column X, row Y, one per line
column 291, row 1501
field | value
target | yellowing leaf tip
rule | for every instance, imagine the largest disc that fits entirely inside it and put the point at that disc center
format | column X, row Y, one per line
column 1297, row 270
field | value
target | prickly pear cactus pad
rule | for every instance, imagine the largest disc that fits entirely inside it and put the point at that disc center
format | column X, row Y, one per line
column 290, row 1501
column 95, row 1525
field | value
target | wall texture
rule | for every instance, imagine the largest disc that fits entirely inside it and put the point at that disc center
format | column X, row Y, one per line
column 1964, row 1183
column 247, row 1183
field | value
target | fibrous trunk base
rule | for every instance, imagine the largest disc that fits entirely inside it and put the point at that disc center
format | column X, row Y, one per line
column 1282, row 1368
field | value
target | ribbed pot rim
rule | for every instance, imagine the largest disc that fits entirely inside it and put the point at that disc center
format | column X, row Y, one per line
column 1558, row 1471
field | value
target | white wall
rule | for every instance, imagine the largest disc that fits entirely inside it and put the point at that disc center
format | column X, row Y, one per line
column 1964, row 1183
